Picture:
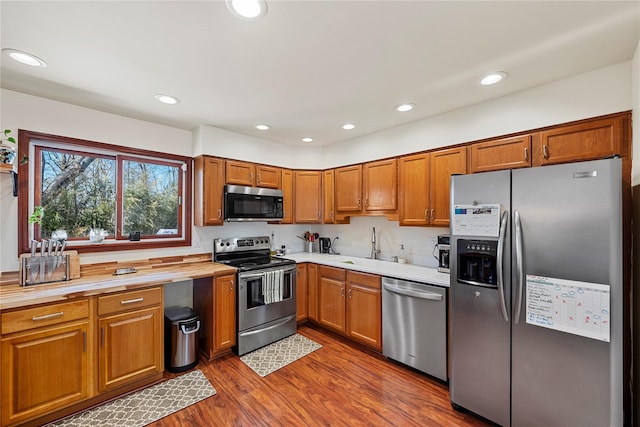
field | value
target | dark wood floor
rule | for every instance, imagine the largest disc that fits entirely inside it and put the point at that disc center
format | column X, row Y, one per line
column 338, row 385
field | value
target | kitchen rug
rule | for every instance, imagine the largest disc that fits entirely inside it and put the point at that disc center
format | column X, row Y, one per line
column 279, row 354
column 145, row 406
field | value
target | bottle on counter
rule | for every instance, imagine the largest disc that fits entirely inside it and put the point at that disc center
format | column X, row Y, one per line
column 402, row 259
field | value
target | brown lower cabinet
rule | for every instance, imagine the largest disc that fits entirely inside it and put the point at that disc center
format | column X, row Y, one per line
column 350, row 303
column 214, row 299
column 49, row 353
column 302, row 312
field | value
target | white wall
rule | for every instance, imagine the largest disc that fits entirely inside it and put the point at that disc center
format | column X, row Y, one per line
column 603, row 91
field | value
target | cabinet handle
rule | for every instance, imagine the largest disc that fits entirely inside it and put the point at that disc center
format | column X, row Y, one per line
column 250, row 176
column 526, row 154
column 426, row 214
column 342, row 292
column 366, row 202
column 432, row 214
column 349, row 293
column 231, row 285
column 319, row 215
column 358, row 202
column 545, row 151
column 219, row 213
column 47, row 316
column 258, row 178
column 131, row 301
column 331, row 215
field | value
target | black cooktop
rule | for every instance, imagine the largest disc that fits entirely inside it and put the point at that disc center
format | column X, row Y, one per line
column 247, row 253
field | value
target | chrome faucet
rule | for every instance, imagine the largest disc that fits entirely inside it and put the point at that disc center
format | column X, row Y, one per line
column 374, row 251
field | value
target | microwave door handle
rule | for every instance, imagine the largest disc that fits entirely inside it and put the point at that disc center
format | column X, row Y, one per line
column 519, row 266
column 499, row 260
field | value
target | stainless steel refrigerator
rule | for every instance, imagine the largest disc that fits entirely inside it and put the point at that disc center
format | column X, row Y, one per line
column 536, row 315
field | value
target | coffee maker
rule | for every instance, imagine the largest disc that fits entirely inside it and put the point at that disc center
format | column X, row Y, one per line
column 443, row 253
column 325, row 245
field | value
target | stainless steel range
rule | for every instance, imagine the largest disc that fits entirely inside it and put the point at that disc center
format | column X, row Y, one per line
column 266, row 290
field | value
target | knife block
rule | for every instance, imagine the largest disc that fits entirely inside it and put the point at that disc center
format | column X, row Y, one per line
column 49, row 268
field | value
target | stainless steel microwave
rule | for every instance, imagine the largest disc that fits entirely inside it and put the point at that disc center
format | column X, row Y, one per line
column 252, row 204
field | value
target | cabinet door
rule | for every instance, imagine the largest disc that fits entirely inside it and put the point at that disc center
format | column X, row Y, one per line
column 380, row 190
column 224, row 312
column 131, row 347
column 209, row 185
column 287, row 196
column 301, row 292
column 348, row 194
column 312, row 291
column 505, row 153
column 267, row 176
column 328, row 213
column 331, row 298
column 414, row 189
column 240, row 173
column 307, row 196
column 364, row 309
column 444, row 163
column 585, row 141
column 45, row 369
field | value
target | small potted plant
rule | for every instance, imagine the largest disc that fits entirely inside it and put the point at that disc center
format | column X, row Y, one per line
column 7, row 147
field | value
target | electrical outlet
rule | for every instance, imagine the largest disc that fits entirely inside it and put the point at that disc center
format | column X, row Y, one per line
column 432, row 241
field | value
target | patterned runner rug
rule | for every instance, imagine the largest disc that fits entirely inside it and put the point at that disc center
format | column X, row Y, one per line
column 145, row 406
column 274, row 356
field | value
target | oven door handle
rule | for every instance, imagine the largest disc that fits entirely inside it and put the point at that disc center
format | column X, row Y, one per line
column 277, row 325
column 249, row 275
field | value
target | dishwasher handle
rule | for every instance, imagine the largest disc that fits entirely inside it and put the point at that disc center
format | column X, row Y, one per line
column 412, row 293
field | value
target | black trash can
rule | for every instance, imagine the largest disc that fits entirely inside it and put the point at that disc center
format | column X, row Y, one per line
column 181, row 326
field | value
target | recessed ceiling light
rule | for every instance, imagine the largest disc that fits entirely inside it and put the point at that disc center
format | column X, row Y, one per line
column 348, row 126
column 403, row 108
column 263, row 127
column 25, row 58
column 167, row 99
column 247, row 9
column 307, row 139
column 493, row 78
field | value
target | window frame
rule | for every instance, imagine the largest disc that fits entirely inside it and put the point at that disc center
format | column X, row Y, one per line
column 26, row 193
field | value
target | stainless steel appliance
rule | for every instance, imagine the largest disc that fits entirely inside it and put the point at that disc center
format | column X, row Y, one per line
column 325, row 245
column 252, row 204
column 181, row 326
column 443, row 253
column 537, row 296
column 414, row 325
column 266, row 291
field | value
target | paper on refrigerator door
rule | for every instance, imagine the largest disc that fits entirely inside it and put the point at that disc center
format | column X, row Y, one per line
column 476, row 220
column 578, row 308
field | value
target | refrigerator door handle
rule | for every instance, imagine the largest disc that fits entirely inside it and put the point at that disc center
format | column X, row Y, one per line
column 500, row 253
column 519, row 266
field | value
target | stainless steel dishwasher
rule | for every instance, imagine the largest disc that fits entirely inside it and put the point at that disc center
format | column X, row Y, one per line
column 414, row 325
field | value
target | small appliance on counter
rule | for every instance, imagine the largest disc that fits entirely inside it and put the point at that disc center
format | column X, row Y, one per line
column 443, row 253
column 325, row 245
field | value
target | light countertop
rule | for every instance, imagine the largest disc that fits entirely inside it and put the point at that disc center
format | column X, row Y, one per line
column 396, row 270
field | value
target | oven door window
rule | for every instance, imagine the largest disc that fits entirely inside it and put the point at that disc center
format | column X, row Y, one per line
column 269, row 288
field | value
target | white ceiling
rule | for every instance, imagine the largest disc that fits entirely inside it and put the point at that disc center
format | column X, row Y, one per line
column 307, row 67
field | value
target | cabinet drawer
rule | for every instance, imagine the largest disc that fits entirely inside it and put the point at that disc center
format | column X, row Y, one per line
column 30, row 318
column 332, row 272
column 130, row 300
column 364, row 279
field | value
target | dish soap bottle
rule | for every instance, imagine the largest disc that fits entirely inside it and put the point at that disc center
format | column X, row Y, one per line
column 402, row 259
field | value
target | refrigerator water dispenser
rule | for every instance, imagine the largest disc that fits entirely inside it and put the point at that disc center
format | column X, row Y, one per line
column 477, row 262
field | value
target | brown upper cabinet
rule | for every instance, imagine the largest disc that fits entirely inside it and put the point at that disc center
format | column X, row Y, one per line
column 328, row 189
column 505, row 153
column 287, row 196
column 444, row 163
column 367, row 188
column 307, row 191
column 208, row 190
column 590, row 140
column 424, row 186
column 348, row 188
column 252, row 175
column 380, row 185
